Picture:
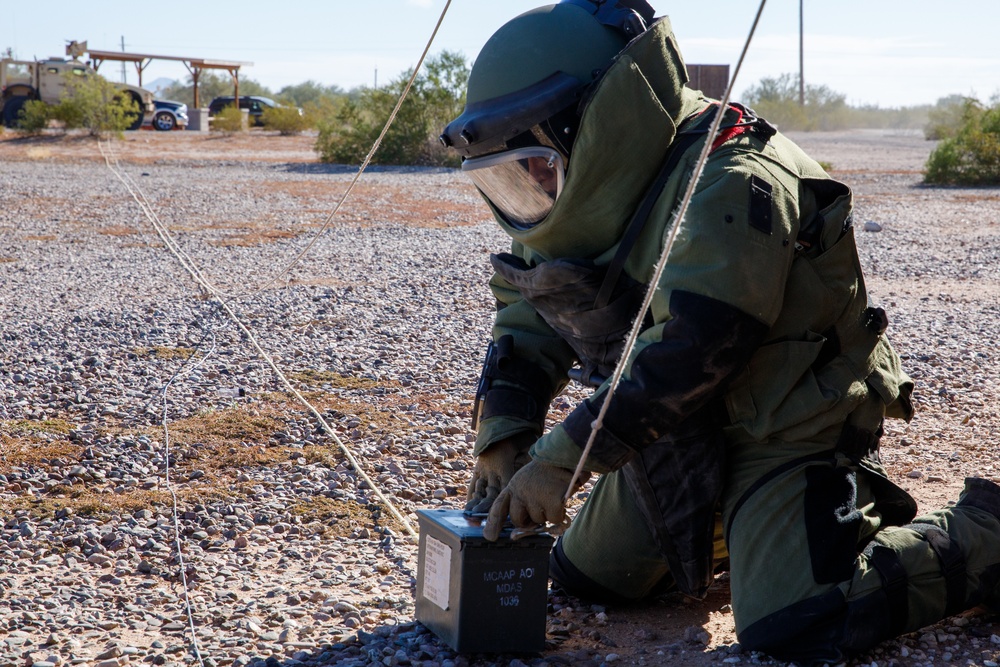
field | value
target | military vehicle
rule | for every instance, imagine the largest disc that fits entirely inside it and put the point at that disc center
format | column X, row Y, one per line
column 45, row 80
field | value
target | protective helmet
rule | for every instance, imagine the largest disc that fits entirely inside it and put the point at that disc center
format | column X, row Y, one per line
column 522, row 104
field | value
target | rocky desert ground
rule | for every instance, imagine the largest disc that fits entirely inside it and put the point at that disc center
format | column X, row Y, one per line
column 166, row 499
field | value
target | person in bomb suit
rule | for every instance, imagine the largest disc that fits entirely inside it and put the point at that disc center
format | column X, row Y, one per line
column 748, row 418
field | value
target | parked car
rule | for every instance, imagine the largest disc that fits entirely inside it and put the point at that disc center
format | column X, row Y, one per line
column 167, row 115
column 254, row 104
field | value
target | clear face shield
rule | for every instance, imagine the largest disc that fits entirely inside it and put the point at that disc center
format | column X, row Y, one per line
column 522, row 183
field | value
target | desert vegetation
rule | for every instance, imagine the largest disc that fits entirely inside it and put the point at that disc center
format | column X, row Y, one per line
column 969, row 148
column 347, row 123
column 91, row 103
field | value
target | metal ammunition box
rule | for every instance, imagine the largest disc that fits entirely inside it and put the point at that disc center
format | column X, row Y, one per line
column 480, row 596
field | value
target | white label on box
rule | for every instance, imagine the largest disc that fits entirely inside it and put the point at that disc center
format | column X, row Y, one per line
column 437, row 572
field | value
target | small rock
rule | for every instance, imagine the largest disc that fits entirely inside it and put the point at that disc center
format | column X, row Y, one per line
column 872, row 226
column 113, row 652
column 697, row 635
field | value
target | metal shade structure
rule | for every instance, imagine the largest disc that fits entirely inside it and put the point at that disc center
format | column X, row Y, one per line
column 193, row 65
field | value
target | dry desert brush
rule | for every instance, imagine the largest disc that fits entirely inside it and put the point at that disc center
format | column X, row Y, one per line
column 972, row 155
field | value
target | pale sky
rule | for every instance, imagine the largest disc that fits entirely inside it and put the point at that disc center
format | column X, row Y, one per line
column 885, row 52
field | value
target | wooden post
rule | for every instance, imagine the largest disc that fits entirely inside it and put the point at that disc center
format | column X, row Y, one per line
column 236, row 87
column 195, row 73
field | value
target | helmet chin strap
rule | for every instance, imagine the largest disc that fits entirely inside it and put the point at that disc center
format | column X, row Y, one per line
column 630, row 17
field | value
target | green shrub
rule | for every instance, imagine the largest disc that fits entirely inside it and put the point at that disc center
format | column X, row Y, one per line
column 229, row 120
column 35, row 116
column 349, row 138
column 69, row 114
column 327, row 107
column 972, row 155
column 95, row 104
column 437, row 96
column 286, row 120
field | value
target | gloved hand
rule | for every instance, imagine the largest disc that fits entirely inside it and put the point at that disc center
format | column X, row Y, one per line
column 494, row 469
column 534, row 497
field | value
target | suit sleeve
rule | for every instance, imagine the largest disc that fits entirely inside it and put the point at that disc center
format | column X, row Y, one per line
column 518, row 404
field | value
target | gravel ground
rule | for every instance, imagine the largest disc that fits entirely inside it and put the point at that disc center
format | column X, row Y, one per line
column 287, row 557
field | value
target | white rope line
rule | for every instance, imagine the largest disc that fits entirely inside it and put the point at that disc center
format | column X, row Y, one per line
column 219, row 298
column 662, row 262
column 111, row 160
column 189, row 265
column 188, row 606
column 147, row 209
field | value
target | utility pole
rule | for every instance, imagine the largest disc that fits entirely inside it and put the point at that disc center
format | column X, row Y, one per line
column 123, row 62
column 376, row 78
column 802, row 75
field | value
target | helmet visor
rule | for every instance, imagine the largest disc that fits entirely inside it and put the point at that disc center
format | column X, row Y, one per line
column 522, row 183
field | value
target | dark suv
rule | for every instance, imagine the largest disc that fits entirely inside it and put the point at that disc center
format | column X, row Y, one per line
column 253, row 103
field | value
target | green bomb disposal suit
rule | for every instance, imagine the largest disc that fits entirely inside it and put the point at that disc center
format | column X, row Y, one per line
column 757, row 388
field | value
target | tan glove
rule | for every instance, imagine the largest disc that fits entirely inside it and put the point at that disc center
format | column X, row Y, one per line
column 534, row 497
column 494, row 469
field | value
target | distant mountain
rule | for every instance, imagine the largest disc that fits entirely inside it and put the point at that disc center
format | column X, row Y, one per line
column 156, row 86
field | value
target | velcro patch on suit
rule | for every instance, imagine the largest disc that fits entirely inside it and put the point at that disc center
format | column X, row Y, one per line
column 760, row 204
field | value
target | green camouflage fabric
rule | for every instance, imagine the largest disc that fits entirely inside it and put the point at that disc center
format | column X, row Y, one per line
column 795, row 488
column 718, row 254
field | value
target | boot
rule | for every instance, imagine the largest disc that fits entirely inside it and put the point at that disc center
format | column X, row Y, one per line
column 985, row 495
column 981, row 493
